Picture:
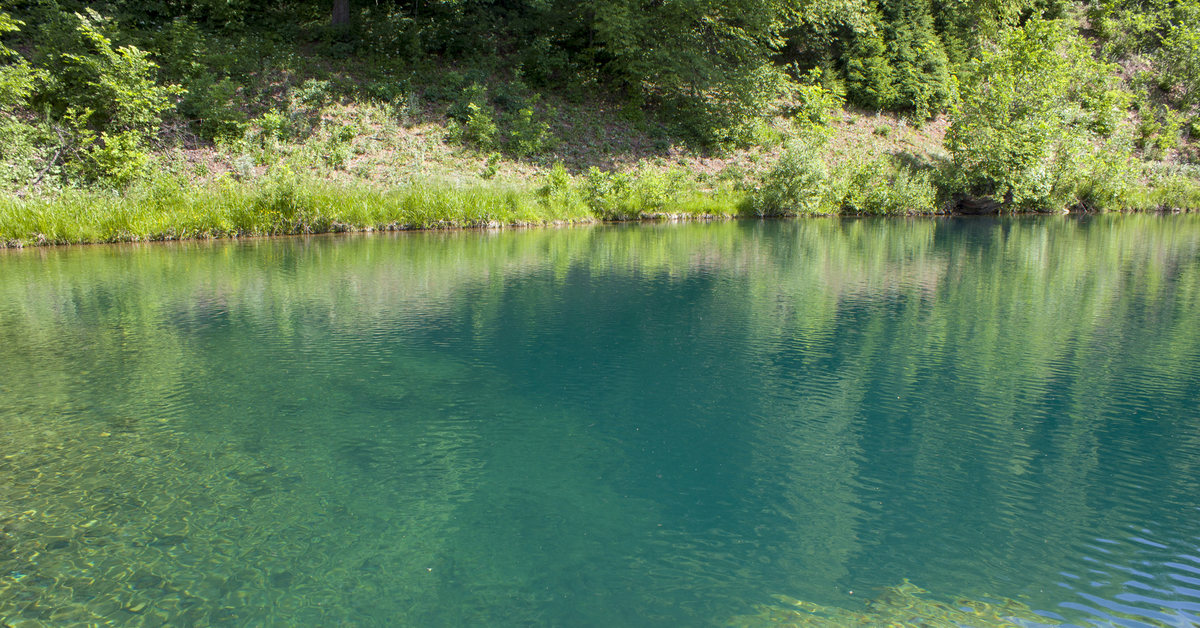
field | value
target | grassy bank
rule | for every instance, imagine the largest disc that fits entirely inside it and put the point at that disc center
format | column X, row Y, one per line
column 800, row 183
column 167, row 210
column 143, row 121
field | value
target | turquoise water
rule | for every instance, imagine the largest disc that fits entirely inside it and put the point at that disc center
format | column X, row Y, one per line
column 701, row 424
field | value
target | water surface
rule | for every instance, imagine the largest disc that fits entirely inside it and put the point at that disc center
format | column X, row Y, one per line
column 671, row 425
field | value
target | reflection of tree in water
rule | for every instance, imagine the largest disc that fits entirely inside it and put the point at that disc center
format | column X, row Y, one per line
column 315, row 378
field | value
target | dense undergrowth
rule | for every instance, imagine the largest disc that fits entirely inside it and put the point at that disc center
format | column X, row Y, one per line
column 124, row 121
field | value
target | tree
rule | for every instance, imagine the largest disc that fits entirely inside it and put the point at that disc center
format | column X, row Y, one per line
column 341, row 12
column 1029, row 112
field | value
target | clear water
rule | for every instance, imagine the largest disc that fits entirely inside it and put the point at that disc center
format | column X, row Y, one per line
column 656, row 425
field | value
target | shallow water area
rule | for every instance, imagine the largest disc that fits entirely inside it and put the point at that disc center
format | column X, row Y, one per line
column 815, row 422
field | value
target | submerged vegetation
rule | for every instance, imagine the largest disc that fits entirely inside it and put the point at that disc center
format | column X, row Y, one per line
column 903, row 605
column 907, row 604
column 540, row 111
column 1097, row 313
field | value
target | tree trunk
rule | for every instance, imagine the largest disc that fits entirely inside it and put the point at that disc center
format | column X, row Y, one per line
column 341, row 12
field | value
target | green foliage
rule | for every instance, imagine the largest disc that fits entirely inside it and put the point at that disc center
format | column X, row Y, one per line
column 706, row 63
column 1173, row 191
column 480, row 129
column 339, row 143
column 558, row 193
column 1180, row 54
column 469, row 99
column 313, row 94
column 521, row 133
column 17, row 78
column 1024, row 116
column 798, row 184
column 899, row 63
column 815, row 103
column 1158, row 129
column 117, row 159
column 1108, row 179
column 101, row 102
column 968, row 27
column 116, row 83
column 883, row 186
column 870, row 79
column 218, row 110
column 919, row 64
column 491, row 167
column 472, row 119
column 727, row 111
column 630, row 195
column 274, row 126
column 528, row 136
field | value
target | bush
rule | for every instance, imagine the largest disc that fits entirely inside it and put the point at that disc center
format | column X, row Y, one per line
column 528, row 136
column 313, row 95
column 117, row 159
column 1108, row 180
column 814, row 101
column 480, row 129
column 797, row 184
column 339, row 144
column 884, row 186
column 869, row 74
column 17, row 78
column 899, row 64
column 630, row 195
column 1179, row 57
column 217, row 109
column 469, row 100
column 116, row 84
column 728, row 111
column 1022, row 119
column 559, row 192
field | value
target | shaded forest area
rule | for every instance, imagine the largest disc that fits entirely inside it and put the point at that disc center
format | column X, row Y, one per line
column 1024, row 104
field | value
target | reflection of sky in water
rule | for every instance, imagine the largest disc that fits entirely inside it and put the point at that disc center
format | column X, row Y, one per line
column 648, row 426
column 1162, row 582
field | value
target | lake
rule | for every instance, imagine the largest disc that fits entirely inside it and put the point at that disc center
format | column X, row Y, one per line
column 820, row 421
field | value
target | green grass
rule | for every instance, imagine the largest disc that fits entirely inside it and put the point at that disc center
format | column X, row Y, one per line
column 170, row 209
column 283, row 203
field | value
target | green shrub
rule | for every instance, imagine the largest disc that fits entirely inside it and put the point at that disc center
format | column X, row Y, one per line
column 631, row 195
column 1179, row 57
column 815, row 103
column 469, row 100
column 883, row 186
column 274, row 126
column 1021, row 121
column 528, row 136
column 116, row 84
column 217, row 108
column 727, row 111
column 480, row 128
column 313, row 95
column 796, row 185
column 899, row 64
column 869, row 75
column 117, row 159
column 339, row 144
column 1108, row 180
column 17, row 78
column 607, row 193
column 491, row 167
column 102, row 101
column 558, row 192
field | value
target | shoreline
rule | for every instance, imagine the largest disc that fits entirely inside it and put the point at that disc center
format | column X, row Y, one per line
column 133, row 218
